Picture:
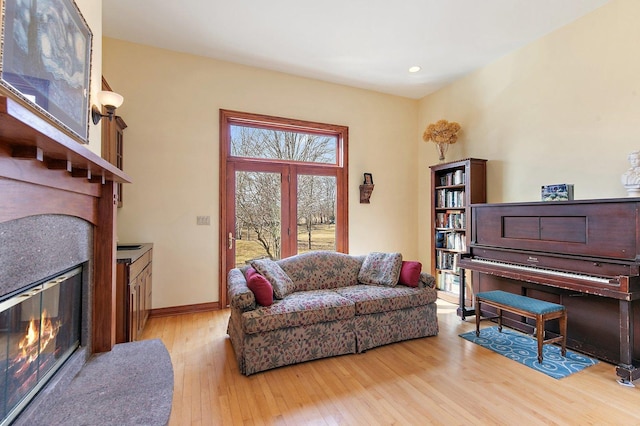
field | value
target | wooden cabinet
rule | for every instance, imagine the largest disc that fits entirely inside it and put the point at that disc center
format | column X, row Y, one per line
column 134, row 292
column 454, row 187
column 113, row 141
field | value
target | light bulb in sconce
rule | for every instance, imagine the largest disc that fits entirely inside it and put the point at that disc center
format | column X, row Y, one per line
column 110, row 101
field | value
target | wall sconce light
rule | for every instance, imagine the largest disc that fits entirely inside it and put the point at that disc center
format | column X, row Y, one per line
column 111, row 101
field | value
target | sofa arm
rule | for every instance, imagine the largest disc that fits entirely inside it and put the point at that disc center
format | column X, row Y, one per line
column 427, row 280
column 240, row 297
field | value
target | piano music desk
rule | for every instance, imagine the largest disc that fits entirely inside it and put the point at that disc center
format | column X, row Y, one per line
column 528, row 307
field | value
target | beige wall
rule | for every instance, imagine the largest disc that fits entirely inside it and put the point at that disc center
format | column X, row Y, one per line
column 171, row 152
column 92, row 12
column 564, row 109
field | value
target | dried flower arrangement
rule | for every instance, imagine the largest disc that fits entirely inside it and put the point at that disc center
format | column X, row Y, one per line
column 442, row 133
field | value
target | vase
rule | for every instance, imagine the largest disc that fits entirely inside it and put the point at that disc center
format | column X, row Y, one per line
column 442, row 147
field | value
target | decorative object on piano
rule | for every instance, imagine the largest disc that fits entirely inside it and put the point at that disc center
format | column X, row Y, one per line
column 443, row 133
column 558, row 192
column 522, row 348
column 631, row 178
column 46, row 61
column 366, row 189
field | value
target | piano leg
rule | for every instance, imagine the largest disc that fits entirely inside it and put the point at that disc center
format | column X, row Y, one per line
column 463, row 311
column 625, row 369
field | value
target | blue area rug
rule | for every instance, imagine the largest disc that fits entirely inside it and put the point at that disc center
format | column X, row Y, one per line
column 524, row 349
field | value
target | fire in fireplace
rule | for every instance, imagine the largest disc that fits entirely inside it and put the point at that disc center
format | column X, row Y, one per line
column 39, row 330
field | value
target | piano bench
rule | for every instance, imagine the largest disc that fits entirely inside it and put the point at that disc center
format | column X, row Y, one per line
column 528, row 307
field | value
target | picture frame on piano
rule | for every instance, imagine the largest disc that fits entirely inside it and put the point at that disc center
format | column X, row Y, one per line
column 557, row 192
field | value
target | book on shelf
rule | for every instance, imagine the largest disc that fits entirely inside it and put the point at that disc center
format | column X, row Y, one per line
column 450, row 220
column 454, row 286
column 448, row 282
column 452, row 178
column 458, row 177
column 456, row 241
column 441, row 196
column 446, row 198
column 454, row 265
column 447, row 261
column 456, row 220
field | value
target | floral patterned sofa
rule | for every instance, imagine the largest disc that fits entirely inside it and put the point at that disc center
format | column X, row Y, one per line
column 325, row 309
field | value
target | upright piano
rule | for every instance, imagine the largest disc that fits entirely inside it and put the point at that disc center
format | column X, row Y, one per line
column 582, row 254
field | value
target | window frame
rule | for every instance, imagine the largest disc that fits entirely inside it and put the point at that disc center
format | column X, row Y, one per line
column 290, row 169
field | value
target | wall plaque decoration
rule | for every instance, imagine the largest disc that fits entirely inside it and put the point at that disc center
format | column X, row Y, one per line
column 46, row 60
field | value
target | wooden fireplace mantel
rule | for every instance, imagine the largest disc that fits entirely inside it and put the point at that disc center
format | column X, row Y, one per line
column 43, row 170
column 29, row 134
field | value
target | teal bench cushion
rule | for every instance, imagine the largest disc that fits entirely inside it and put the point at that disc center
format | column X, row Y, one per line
column 535, row 306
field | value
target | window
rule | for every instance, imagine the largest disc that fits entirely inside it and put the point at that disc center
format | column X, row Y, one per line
column 284, row 186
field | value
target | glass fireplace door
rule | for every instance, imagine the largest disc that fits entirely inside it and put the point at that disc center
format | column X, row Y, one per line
column 39, row 329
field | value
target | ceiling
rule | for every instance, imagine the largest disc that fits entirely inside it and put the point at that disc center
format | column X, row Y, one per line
column 368, row 44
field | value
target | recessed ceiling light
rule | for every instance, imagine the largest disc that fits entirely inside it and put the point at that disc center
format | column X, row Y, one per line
column 414, row 69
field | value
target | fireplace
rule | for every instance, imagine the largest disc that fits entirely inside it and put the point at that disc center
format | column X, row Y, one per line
column 57, row 213
column 40, row 329
column 45, row 276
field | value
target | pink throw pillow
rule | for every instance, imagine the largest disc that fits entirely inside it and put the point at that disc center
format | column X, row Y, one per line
column 261, row 288
column 410, row 273
column 249, row 272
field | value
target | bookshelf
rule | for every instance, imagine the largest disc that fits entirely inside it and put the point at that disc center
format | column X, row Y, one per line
column 454, row 187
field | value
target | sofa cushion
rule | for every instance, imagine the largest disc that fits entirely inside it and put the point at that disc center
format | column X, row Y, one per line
column 296, row 309
column 240, row 297
column 427, row 280
column 261, row 287
column 371, row 299
column 319, row 270
column 282, row 284
column 410, row 273
column 381, row 269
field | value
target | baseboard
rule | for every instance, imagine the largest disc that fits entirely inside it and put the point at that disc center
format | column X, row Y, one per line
column 185, row 309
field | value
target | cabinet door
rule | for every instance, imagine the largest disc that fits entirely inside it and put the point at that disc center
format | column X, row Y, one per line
column 122, row 305
column 146, row 302
column 142, row 295
column 134, row 309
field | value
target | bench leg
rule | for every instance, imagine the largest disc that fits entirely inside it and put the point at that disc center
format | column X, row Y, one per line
column 563, row 331
column 478, row 318
column 540, row 336
column 500, row 320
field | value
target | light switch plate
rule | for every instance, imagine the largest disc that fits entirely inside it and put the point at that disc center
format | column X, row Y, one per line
column 203, row 220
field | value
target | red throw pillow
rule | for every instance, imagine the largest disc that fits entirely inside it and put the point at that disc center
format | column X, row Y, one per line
column 261, row 288
column 249, row 272
column 410, row 273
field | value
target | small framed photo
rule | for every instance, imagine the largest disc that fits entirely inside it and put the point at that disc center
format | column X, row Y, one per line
column 558, row 192
column 368, row 179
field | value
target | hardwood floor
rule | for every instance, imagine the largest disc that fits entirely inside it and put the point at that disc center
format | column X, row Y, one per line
column 435, row 380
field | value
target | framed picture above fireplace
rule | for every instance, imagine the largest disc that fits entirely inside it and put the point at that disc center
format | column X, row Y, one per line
column 45, row 61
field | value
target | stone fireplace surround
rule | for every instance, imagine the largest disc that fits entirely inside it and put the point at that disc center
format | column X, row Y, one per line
column 36, row 247
column 57, row 209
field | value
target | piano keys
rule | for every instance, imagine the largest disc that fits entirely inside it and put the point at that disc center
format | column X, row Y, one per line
column 583, row 254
